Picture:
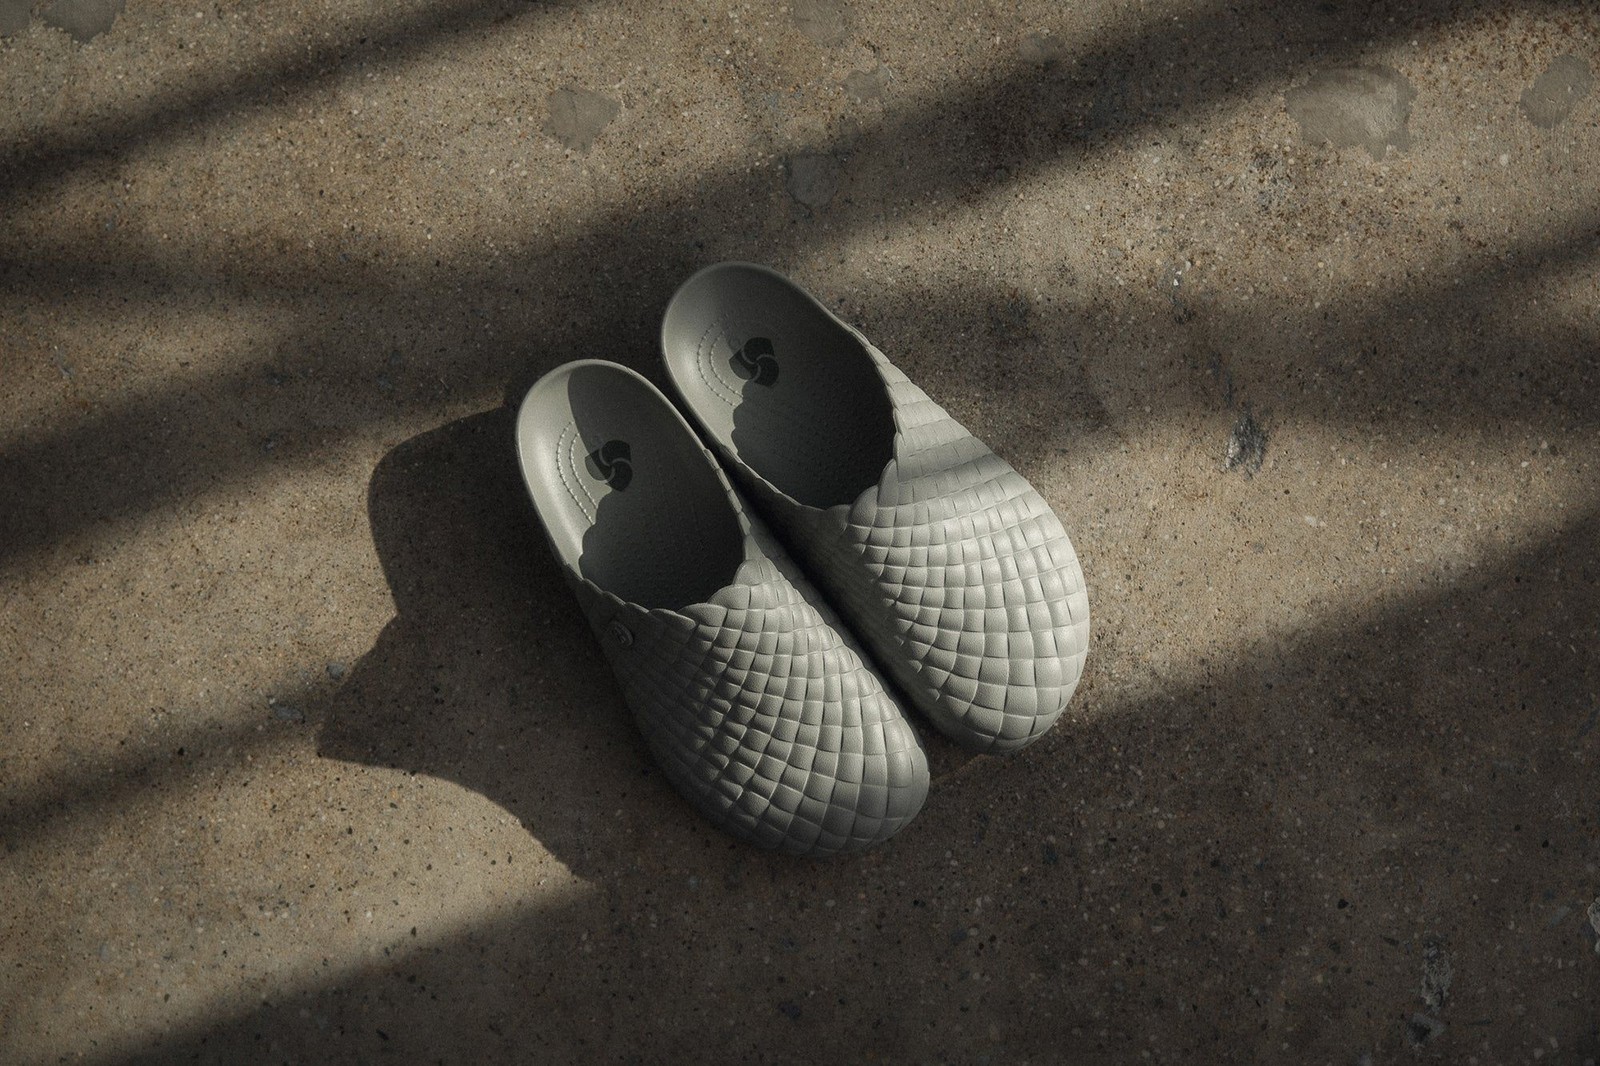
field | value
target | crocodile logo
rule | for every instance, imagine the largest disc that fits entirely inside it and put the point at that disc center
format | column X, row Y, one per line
column 612, row 463
column 756, row 362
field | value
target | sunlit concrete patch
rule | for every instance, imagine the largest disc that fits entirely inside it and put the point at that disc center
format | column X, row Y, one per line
column 1239, row 564
column 188, row 941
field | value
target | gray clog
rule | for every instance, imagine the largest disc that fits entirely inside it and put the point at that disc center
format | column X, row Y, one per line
column 952, row 570
column 760, row 711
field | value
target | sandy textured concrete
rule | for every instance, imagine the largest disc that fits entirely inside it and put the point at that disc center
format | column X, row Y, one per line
column 1291, row 309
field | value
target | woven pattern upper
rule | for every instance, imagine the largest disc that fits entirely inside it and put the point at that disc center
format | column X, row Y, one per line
column 955, row 573
column 763, row 715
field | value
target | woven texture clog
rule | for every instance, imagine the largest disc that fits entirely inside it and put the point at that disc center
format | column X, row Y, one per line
column 953, row 571
column 759, row 710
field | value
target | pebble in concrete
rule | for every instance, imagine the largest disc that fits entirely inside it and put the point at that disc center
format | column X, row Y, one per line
column 1247, row 444
column 827, row 22
column 813, row 179
column 866, row 86
column 1368, row 106
column 14, row 16
column 84, row 19
column 1553, row 95
column 578, row 115
column 1437, row 973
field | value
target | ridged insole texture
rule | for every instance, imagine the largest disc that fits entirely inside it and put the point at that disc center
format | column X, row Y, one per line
column 787, row 387
column 628, row 495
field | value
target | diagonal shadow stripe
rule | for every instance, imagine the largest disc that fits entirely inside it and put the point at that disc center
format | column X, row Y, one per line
column 1365, row 725
column 468, row 570
column 142, row 454
column 962, row 142
column 294, row 72
column 496, row 577
column 1236, row 46
column 213, row 428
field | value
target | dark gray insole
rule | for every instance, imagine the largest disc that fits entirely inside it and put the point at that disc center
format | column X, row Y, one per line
column 780, row 382
column 627, row 494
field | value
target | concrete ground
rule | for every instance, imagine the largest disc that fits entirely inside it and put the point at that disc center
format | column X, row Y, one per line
column 1290, row 309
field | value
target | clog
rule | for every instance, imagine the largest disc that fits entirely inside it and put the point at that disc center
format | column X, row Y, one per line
column 759, row 710
column 946, row 563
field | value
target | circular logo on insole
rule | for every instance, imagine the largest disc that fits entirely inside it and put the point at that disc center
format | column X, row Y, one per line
column 755, row 361
column 612, row 463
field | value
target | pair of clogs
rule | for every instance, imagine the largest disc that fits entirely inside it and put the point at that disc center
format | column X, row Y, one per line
column 868, row 532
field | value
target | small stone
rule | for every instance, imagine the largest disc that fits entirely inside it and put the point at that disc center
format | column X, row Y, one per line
column 790, row 1009
column 83, row 19
column 827, row 22
column 1247, row 445
column 1422, row 1029
column 284, row 712
column 577, row 116
column 1553, row 95
column 336, row 670
column 1171, row 283
column 14, row 16
column 813, row 179
column 1369, row 106
column 1594, row 921
column 1437, row 973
